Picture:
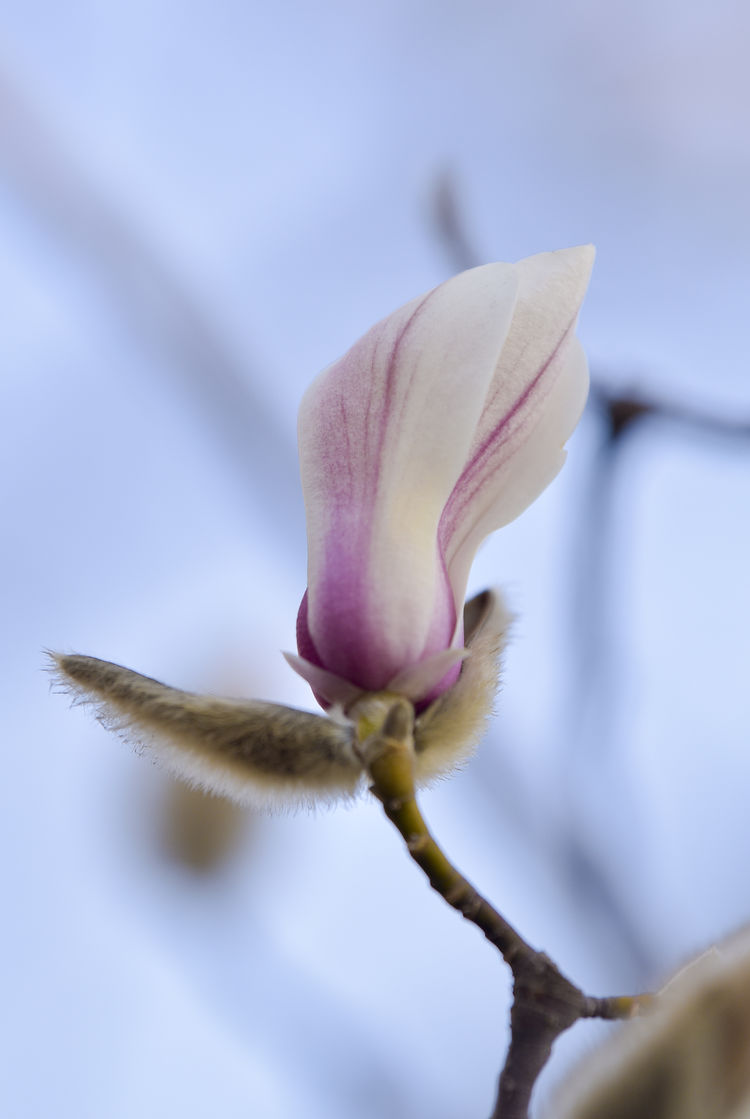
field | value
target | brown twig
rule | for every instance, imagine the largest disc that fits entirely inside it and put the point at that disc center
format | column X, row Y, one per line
column 545, row 1003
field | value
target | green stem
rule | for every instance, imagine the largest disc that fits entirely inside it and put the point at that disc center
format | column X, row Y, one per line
column 545, row 1003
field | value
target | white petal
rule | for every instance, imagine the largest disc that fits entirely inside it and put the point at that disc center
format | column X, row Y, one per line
column 418, row 680
column 384, row 434
column 537, row 394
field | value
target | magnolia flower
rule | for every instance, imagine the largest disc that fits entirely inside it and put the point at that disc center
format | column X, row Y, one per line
column 440, row 425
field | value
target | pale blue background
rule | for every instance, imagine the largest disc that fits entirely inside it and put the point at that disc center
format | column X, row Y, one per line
column 201, row 204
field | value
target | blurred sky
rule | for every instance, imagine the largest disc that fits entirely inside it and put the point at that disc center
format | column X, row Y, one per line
column 202, row 204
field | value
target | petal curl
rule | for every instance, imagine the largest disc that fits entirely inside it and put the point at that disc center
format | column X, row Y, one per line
column 534, row 402
column 384, row 435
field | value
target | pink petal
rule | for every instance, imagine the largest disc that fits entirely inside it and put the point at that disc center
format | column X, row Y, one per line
column 384, row 434
column 330, row 690
column 422, row 682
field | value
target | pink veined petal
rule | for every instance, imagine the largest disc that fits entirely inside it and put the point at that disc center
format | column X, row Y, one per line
column 535, row 400
column 384, row 434
column 328, row 688
column 425, row 681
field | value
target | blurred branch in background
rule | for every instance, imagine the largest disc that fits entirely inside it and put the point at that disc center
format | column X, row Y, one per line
column 143, row 282
column 619, row 414
column 594, row 695
column 197, row 830
column 154, row 295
